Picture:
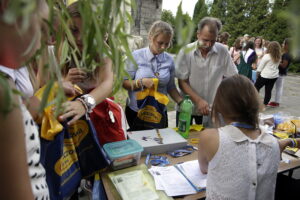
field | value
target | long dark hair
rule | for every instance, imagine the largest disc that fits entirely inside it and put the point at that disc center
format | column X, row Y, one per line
column 236, row 100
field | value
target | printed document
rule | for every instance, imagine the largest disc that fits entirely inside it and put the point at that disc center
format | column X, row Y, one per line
column 181, row 179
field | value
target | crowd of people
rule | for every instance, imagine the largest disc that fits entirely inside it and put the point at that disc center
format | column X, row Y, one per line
column 264, row 62
column 208, row 72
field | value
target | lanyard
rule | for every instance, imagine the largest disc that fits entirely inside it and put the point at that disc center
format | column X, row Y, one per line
column 156, row 160
column 188, row 149
column 242, row 125
column 155, row 68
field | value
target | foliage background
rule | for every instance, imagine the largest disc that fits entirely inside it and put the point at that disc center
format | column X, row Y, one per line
column 273, row 20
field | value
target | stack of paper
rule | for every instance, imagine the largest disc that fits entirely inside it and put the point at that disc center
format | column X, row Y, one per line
column 136, row 183
column 180, row 179
column 133, row 186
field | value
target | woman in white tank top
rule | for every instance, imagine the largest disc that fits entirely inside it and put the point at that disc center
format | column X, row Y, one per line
column 241, row 159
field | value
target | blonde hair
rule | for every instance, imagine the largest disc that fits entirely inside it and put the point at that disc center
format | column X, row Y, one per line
column 159, row 27
column 274, row 50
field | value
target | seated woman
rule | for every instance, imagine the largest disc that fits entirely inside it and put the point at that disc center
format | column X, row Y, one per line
column 153, row 62
column 241, row 160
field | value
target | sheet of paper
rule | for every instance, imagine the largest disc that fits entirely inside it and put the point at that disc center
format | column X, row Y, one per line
column 192, row 171
column 156, row 176
column 173, row 182
column 133, row 186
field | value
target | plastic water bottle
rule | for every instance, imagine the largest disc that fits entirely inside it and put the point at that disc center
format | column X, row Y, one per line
column 185, row 113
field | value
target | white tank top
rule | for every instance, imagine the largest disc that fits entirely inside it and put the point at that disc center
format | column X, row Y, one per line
column 243, row 168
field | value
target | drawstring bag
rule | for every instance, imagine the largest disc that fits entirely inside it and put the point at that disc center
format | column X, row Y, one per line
column 68, row 153
column 152, row 108
column 109, row 121
column 60, row 160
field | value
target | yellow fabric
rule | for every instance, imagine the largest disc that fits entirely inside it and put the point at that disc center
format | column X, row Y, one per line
column 194, row 127
column 290, row 126
column 50, row 125
column 283, row 135
column 161, row 98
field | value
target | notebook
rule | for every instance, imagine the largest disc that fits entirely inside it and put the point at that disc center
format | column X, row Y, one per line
column 180, row 179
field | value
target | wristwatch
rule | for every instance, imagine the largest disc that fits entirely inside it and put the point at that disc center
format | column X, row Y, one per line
column 89, row 101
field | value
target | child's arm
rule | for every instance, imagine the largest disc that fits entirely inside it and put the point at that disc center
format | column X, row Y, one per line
column 208, row 147
column 291, row 142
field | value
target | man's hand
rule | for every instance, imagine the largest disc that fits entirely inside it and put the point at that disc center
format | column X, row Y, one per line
column 202, row 107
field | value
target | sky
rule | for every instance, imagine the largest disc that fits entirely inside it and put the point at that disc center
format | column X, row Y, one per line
column 187, row 6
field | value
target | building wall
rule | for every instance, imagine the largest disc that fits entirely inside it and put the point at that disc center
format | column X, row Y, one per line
column 147, row 12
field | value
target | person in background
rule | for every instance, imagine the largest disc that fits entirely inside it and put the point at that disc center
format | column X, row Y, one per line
column 201, row 70
column 259, row 50
column 247, row 59
column 246, row 38
column 96, row 85
column 268, row 71
column 223, row 39
column 241, row 159
column 153, row 62
column 265, row 44
column 22, row 174
column 235, row 51
column 283, row 68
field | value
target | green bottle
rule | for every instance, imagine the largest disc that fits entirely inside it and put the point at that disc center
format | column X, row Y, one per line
column 185, row 113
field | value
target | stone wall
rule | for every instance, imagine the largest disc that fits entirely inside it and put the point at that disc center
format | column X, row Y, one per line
column 147, row 11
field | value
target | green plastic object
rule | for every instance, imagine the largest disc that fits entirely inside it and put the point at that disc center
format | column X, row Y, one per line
column 185, row 113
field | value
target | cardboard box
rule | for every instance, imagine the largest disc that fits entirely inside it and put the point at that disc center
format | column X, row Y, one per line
column 148, row 139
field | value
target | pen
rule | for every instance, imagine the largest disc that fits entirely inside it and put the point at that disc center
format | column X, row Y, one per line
column 159, row 136
column 293, row 155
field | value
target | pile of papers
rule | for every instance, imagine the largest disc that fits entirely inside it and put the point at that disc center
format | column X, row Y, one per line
column 136, row 183
column 134, row 186
column 180, row 179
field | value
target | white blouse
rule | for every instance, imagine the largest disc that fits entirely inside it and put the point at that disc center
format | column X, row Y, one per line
column 243, row 168
column 268, row 68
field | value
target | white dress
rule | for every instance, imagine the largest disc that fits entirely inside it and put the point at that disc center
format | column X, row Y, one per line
column 36, row 170
column 243, row 168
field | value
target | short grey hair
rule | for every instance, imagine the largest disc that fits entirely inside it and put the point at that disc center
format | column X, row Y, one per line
column 213, row 24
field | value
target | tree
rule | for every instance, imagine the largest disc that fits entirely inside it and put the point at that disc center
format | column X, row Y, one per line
column 200, row 11
column 256, row 14
column 182, row 25
column 219, row 10
column 235, row 20
column 167, row 16
column 278, row 27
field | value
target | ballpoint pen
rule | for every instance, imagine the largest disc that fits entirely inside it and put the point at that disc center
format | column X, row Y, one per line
column 160, row 139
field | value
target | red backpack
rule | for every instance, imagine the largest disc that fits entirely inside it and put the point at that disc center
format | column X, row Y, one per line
column 109, row 121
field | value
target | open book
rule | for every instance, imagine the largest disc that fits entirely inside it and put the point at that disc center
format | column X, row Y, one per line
column 180, row 179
